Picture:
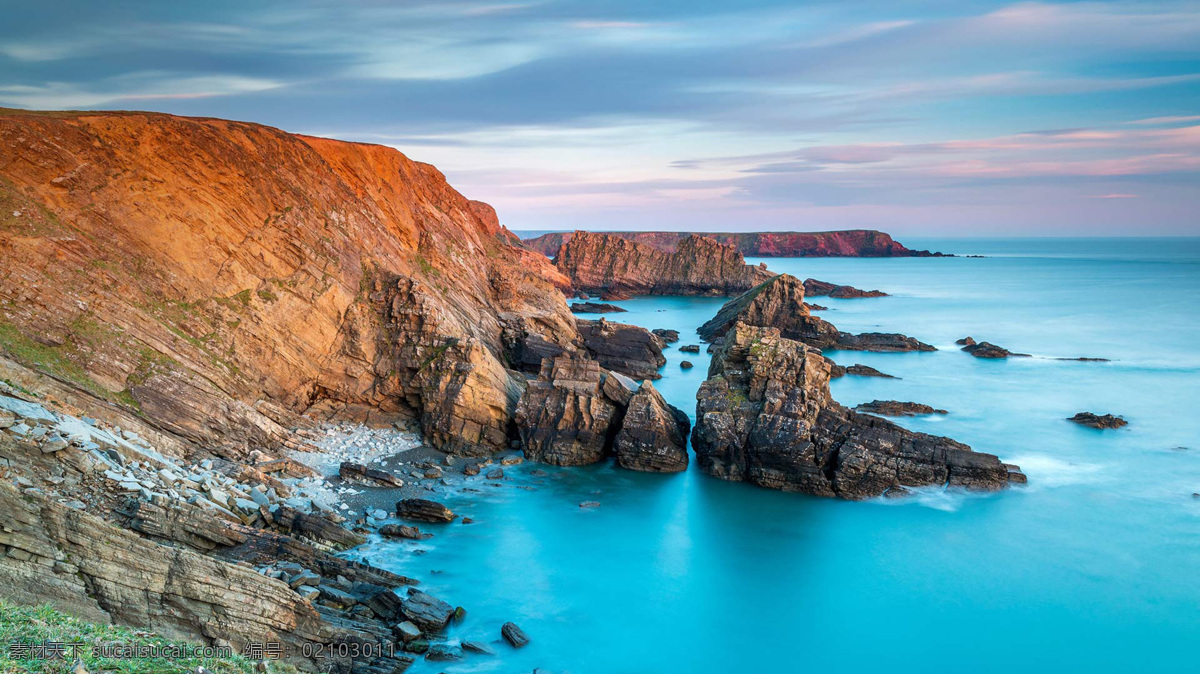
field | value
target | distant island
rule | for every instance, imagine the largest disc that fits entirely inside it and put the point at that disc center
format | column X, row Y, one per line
column 847, row 243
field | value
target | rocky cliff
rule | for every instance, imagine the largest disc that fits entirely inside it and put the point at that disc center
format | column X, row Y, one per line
column 616, row 267
column 848, row 243
column 779, row 303
column 216, row 278
column 765, row 416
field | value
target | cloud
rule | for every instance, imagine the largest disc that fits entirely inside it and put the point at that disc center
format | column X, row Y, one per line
column 137, row 87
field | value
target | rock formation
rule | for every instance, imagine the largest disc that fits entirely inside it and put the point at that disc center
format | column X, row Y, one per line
column 848, row 243
column 1101, row 421
column 595, row 308
column 858, row 370
column 667, row 336
column 765, row 416
column 987, row 349
column 896, row 408
column 615, row 267
column 576, row 413
column 219, row 277
column 653, row 435
column 815, row 288
column 779, row 303
column 629, row 349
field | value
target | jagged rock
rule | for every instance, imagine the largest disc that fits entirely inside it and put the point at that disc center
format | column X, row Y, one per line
column 423, row 510
column 407, row 631
column 315, row 527
column 1098, row 421
column 595, row 308
column 403, row 531
column 989, row 350
column 765, row 416
column 815, row 288
column 568, row 415
column 426, row 611
column 367, row 476
column 779, row 303
column 628, row 349
column 895, row 408
column 615, row 267
column 182, row 523
column 653, row 435
column 514, row 635
column 847, row 243
column 667, row 336
column 690, row 348
column 965, row 341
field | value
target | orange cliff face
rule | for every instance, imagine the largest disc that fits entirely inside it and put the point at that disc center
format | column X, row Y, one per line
column 218, row 277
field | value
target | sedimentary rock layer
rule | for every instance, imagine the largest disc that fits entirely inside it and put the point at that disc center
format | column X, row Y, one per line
column 219, row 277
column 615, row 267
column 847, row 243
column 765, row 416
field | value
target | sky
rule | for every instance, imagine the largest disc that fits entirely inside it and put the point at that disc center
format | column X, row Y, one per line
column 923, row 118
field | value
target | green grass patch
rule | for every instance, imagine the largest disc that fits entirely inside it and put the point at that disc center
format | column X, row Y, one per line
column 42, row 625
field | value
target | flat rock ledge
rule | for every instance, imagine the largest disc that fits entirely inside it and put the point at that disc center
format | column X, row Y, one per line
column 896, row 408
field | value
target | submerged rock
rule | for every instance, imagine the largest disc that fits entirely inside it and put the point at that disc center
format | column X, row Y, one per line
column 595, row 308
column 989, row 350
column 895, row 408
column 653, row 435
column 1098, row 420
column 815, row 288
column 629, row 349
column 514, row 635
column 765, row 416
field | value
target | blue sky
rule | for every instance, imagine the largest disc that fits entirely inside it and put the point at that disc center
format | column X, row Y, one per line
column 930, row 118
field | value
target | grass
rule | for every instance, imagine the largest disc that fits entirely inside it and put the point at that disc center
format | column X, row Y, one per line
column 40, row 625
column 55, row 361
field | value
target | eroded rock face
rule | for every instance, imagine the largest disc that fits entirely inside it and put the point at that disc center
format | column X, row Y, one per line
column 284, row 274
column 629, row 349
column 614, row 267
column 847, row 243
column 779, row 303
column 570, row 413
column 815, row 288
column 765, row 416
column 653, row 435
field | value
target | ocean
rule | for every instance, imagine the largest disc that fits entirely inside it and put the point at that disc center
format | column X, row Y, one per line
column 1091, row 567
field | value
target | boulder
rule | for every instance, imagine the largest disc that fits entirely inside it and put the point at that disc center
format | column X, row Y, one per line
column 628, row 349
column 765, row 416
column 686, row 365
column 690, row 348
column 514, row 635
column 403, row 531
column 367, row 476
column 423, row 510
column 667, row 336
column 426, row 611
column 653, row 435
column 595, row 308
column 989, row 350
column 1098, row 420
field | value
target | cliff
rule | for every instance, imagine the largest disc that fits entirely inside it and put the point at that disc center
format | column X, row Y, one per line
column 614, row 267
column 847, row 243
column 216, row 278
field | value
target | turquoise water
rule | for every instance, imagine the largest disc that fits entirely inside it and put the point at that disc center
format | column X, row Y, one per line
column 1092, row 567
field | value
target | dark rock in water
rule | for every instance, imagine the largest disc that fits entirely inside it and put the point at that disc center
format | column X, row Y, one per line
column 815, row 307
column 895, row 408
column 667, row 336
column 403, row 531
column 1086, row 360
column 631, row 350
column 367, row 476
column 595, row 308
column 965, row 341
column 495, row 474
column 513, row 635
column 856, row 370
column 567, row 416
column 765, row 416
column 989, row 350
column 1098, row 421
column 779, row 303
column 477, row 647
column 690, row 348
column 653, row 435
column 815, row 288
column 425, row 611
column 423, row 510
column 686, row 365
column 589, row 504
column 443, row 652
